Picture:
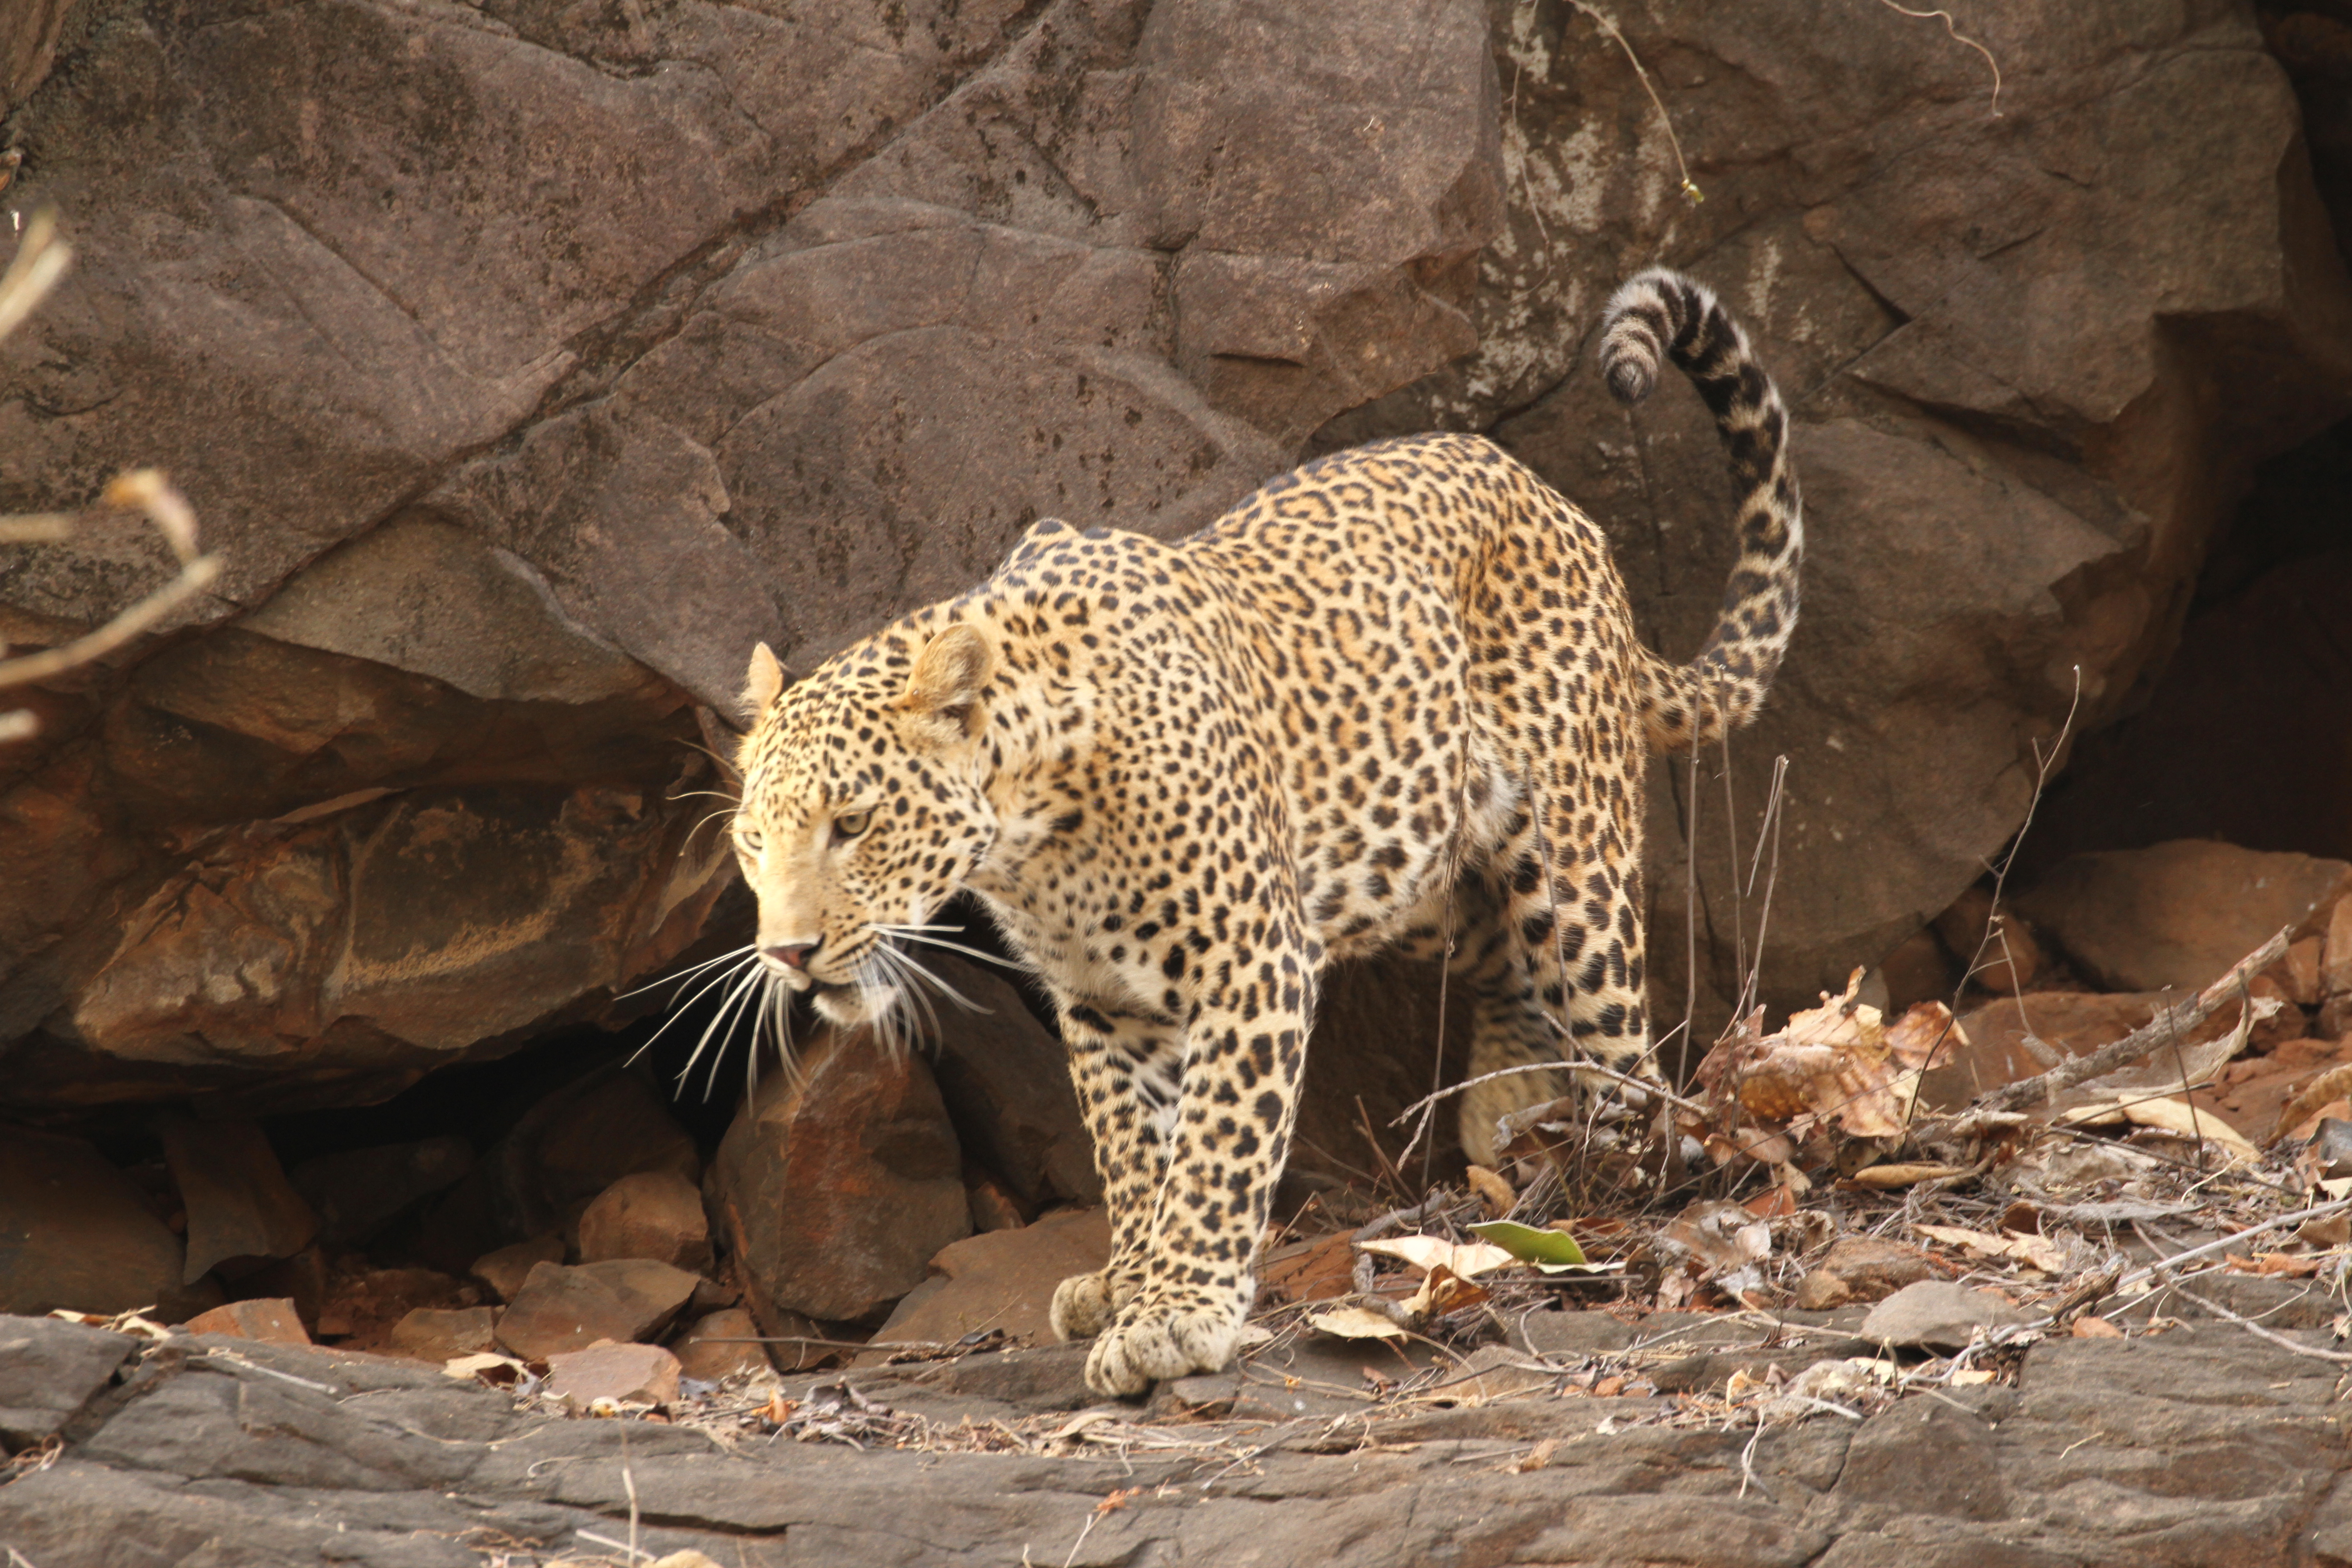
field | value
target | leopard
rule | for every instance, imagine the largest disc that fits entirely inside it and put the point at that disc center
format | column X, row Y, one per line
column 1394, row 698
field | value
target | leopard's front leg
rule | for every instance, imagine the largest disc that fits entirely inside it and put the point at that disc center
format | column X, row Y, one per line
column 1246, row 1045
column 1127, row 1068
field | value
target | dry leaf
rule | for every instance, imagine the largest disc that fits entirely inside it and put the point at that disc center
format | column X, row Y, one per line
column 1355, row 1323
column 2096, row 1328
column 1493, row 1192
column 2277, row 1265
column 1889, row 1176
column 2033, row 1251
column 2329, row 1085
column 1835, row 1063
column 1469, row 1259
column 2170, row 1115
column 1442, row 1291
column 1971, row 1378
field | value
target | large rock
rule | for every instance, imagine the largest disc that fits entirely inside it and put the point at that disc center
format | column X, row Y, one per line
column 75, row 1234
column 590, row 344
column 1004, row 1279
column 2179, row 914
column 242, row 1212
column 49, row 1370
column 836, row 1184
column 1006, row 1080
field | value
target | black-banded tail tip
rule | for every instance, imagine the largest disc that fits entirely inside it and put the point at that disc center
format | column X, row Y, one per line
column 1630, row 378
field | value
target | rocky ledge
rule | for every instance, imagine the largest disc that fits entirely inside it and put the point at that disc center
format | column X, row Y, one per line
column 2201, row 1444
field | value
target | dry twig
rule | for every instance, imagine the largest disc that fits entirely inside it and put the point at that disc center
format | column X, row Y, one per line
column 2169, row 1024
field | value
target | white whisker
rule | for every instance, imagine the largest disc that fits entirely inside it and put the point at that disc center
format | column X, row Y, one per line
column 915, row 934
column 721, row 1025
column 679, row 1009
column 684, row 974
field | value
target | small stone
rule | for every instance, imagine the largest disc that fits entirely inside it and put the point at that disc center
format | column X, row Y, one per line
column 1938, row 1314
column 49, row 1368
column 77, row 1235
column 1493, row 1372
column 993, row 1208
column 1862, row 1269
column 690, row 1558
column 2179, row 914
column 559, row 1309
column 834, row 1190
column 1002, row 1280
column 241, row 1209
column 2335, row 951
column 654, row 1214
column 505, row 1270
column 273, row 1320
column 2331, row 1146
column 722, row 1345
column 357, row 1192
column 625, row 1374
column 442, row 1333
column 1317, row 1270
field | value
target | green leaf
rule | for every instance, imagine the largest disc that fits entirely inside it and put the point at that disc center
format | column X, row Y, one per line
column 1525, row 1242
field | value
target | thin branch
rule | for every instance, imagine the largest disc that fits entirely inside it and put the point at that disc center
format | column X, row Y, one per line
column 2167, row 1024
column 1600, row 18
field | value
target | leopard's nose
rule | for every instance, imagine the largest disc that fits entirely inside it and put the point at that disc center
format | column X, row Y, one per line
column 793, row 954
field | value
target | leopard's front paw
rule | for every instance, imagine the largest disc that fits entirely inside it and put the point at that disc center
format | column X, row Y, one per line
column 1150, row 1344
column 1084, row 1304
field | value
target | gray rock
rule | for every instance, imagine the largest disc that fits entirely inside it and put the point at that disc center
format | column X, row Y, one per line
column 1938, row 1314
column 49, row 1370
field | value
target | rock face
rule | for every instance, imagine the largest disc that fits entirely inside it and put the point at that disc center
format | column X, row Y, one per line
column 528, row 362
column 195, row 1457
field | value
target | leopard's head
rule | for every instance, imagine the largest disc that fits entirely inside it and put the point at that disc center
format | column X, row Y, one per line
column 865, row 807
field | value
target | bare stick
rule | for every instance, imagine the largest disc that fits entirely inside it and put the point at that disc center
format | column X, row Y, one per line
column 1958, row 37
column 2318, row 1211
column 1572, row 1068
column 2167, row 1024
column 1609, row 28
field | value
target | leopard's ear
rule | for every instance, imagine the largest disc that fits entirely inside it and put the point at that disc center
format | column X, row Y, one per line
column 948, row 679
column 764, row 684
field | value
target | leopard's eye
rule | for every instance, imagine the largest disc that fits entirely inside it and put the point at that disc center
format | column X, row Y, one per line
column 850, row 824
column 749, row 841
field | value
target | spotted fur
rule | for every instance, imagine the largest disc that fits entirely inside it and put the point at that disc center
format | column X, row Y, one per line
column 1186, row 778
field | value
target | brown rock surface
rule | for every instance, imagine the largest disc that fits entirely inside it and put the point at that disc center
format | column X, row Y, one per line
column 834, row 1189
column 2179, row 914
column 75, row 1234
column 561, row 1308
column 1004, row 1279
column 272, row 1321
column 241, row 1209
column 654, row 1214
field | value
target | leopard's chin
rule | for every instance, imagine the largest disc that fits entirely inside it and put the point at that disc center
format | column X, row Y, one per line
column 850, row 1005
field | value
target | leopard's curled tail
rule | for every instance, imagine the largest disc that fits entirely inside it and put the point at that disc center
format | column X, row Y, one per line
column 1658, row 315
